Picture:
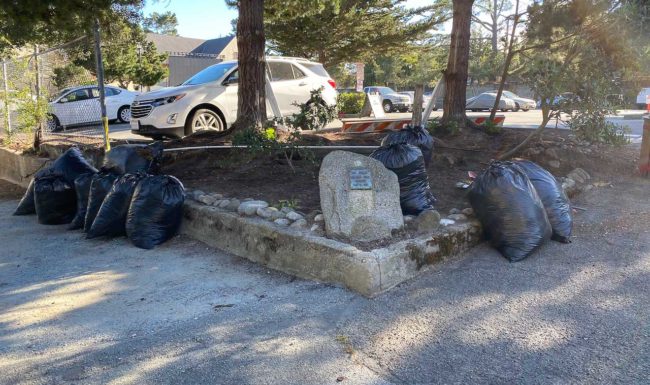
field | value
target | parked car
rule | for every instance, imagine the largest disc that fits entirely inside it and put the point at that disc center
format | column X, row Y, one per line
column 563, row 99
column 485, row 101
column 77, row 106
column 411, row 95
column 391, row 100
column 641, row 98
column 523, row 104
column 208, row 100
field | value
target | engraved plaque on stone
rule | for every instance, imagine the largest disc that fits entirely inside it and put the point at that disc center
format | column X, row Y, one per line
column 360, row 179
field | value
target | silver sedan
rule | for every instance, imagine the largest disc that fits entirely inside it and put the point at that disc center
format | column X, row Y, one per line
column 485, row 101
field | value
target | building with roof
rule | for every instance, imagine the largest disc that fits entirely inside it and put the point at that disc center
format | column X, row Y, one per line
column 188, row 56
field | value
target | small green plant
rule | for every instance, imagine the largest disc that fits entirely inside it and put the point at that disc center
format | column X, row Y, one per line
column 590, row 124
column 290, row 203
column 312, row 115
column 435, row 127
column 492, row 128
column 350, row 102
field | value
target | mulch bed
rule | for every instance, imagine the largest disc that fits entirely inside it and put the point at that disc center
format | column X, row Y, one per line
column 235, row 173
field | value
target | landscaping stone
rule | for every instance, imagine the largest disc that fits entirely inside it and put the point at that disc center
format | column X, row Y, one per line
column 468, row 211
column 224, row 203
column 270, row 213
column 579, row 175
column 552, row 153
column 196, row 194
column 206, row 199
column 233, row 205
column 293, row 216
column 361, row 213
column 318, row 218
column 427, row 221
column 217, row 202
column 286, row 209
column 447, row 222
column 299, row 224
column 217, row 196
column 315, row 227
column 250, row 207
column 554, row 163
column 457, row 217
column 282, row 222
column 408, row 219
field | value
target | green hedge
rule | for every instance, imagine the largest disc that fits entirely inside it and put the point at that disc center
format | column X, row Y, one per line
column 351, row 102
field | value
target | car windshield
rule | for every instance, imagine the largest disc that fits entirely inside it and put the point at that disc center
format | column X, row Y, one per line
column 385, row 90
column 509, row 94
column 210, row 74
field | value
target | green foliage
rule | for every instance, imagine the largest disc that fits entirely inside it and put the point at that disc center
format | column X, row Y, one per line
column 588, row 121
column 261, row 142
column 437, row 128
column 312, row 115
column 71, row 75
column 492, row 128
column 290, row 203
column 57, row 21
column 334, row 32
column 162, row 23
column 350, row 102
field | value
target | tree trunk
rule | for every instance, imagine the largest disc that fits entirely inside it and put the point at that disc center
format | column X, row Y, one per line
column 251, row 104
column 506, row 65
column 456, row 73
column 417, row 105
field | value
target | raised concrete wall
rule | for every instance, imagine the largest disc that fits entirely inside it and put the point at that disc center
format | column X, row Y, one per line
column 18, row 168
column 312, row 257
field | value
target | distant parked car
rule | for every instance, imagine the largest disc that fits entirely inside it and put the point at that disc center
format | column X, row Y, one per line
column 641, row 98
column 524, row 104
column 485, row 101
column 208, row 100
column 563, row 99
column 76, row 106
column 411, row 95
column 391, row 100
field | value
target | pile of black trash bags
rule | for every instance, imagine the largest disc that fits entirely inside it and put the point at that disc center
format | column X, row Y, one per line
column 520, row 205
column 125, row 197
column 407, row 152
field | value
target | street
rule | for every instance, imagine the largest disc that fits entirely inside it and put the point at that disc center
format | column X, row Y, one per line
column 104, row 312
column 527, row 120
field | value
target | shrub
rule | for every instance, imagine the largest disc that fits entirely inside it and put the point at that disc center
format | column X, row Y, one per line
column 435, row 127
column 351, row 102
column 589, row 123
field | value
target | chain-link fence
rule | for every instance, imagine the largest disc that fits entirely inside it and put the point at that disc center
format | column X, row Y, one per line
column 45, row 96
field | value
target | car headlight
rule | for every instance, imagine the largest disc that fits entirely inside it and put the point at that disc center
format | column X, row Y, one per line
column 167, row 100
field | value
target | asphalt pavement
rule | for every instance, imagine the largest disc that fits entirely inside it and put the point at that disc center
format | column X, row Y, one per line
column 77, row 311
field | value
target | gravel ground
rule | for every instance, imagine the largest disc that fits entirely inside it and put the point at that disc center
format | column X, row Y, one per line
column 75, row 311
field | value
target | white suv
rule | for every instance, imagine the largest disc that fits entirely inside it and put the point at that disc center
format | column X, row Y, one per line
column 208, row 100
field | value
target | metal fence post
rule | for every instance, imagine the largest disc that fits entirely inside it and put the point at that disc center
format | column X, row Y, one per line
column 39, row 128
column 7, row 115
column 100, row 84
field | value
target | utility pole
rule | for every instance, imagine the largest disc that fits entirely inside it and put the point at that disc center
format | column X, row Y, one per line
column 100, row 85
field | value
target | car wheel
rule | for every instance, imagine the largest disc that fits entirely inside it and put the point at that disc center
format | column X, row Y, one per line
column 404, row 110
column 525, row 109
column 388, row 106
column 516, row 107
column 124, row 114
column 53, row 124
column 204, row 119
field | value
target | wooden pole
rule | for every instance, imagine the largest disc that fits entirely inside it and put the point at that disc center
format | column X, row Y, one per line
column 644, row 160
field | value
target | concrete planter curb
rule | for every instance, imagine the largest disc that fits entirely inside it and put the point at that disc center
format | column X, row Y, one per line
column 308, row 256
column 17, row 168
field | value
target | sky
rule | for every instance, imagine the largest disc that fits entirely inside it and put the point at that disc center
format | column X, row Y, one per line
column 208, row 19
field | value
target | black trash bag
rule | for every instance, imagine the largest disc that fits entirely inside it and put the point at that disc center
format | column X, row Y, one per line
column 134, row 158
column 111, row 217
column 509, row 209
column 156, row 211
column 406, row 161
column 414, row 135
column 26, row 204
column 556, row 203
column 82, row 189
column 54, row 199
column 100, row 186
column 71, row 164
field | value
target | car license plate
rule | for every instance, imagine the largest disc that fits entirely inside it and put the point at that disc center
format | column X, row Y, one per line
column 135, row 125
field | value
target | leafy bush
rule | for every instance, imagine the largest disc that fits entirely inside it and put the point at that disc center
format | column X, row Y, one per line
column 492, row 128
column 70, row 75
column 351, row 102
column 312, row 115
column 589, row 123
column 435, row 127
